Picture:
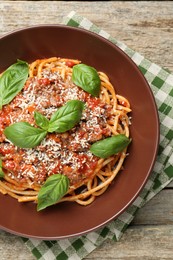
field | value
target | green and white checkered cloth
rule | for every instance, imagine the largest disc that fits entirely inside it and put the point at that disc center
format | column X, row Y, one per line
column 161, row 83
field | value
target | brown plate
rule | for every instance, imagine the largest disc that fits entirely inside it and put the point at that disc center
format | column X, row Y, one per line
column 69, row 219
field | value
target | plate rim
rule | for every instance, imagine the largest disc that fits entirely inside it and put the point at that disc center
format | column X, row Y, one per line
column 155, row 113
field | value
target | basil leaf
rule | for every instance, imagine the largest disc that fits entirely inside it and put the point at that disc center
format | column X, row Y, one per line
column 87, row 78
column 24, row 135
column 55, row 187
column 41, row 120
column 1, row 171
column 66, row 117
column 12, row 81
column 110, row 146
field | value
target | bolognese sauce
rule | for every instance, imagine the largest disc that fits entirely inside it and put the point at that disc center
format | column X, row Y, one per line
column 48, row 88
column 65, row 153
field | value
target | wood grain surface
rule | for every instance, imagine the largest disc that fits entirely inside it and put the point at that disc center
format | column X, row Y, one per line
column 146, row 27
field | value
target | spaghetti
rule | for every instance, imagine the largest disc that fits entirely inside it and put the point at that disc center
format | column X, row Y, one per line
column 49, row 86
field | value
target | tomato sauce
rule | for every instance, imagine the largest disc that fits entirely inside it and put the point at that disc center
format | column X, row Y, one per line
column 66, row 153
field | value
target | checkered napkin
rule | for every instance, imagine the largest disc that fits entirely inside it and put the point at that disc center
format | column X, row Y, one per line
column 161, row 83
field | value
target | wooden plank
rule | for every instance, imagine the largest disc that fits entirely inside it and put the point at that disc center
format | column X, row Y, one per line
column 148, row 242
column 158, row 211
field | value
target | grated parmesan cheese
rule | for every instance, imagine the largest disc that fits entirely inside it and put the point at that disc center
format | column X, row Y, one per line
column 58, row 153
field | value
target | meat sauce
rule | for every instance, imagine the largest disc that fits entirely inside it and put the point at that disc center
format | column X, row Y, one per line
column 66, row 153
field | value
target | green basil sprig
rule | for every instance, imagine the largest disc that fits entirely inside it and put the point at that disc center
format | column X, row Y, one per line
column 87, row 78
column 55, row 187
column 41, row 120
column 24, row 135
column 1, row 170
column 110, row 146
column 66, row 117
column 12, row 81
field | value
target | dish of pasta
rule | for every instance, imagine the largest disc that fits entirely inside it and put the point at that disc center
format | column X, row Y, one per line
column 64, row 132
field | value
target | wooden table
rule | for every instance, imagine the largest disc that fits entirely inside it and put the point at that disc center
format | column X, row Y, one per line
column 146, row 27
